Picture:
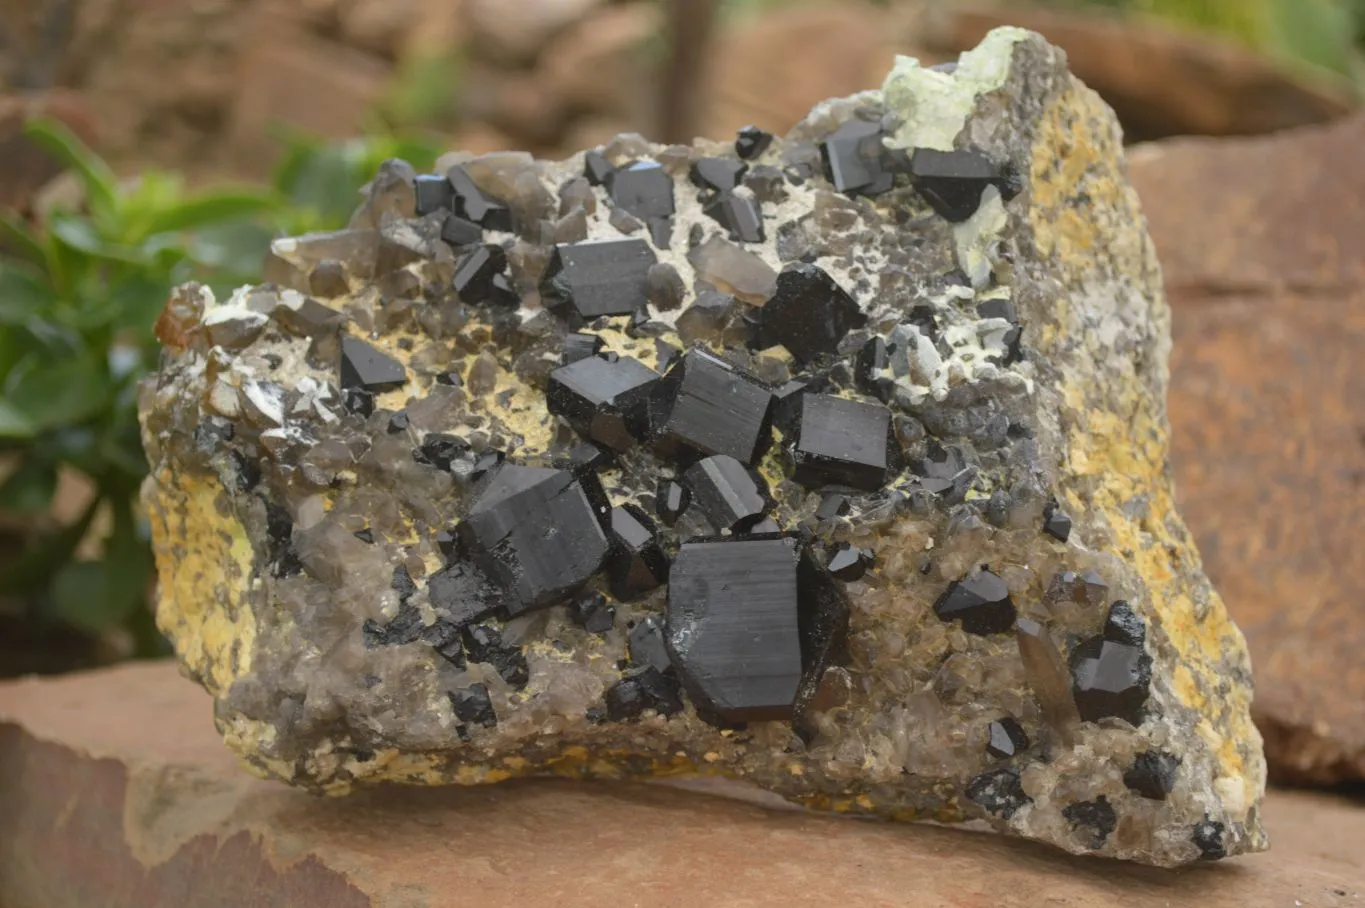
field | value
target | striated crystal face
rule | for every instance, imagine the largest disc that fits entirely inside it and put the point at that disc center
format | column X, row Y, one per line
column 833, row 462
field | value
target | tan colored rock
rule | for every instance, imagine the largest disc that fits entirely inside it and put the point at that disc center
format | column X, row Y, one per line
column 1260, row 242
column 513, row 33
column 772, row 70
column 1159, row 81
column 118, row 793
column 287, row 75
column 600, row 65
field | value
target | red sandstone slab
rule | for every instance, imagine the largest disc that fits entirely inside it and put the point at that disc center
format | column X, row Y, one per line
column 115, row 791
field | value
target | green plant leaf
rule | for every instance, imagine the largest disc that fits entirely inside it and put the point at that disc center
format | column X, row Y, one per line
column 23, row 294
column 80, row 234
column 53, row 393
column 21, row 239
column 29, row 489
column 101, row 186
column 14, row 425
column 212, row 208
column 44, row 555
column 92, row 596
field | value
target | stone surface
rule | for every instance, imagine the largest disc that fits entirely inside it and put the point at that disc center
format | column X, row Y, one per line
column 877, row 694
column 1266, row 383
column 119, row 793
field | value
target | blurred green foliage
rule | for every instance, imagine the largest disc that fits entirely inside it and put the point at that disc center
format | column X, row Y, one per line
column 1325, row 34
column 80, row 291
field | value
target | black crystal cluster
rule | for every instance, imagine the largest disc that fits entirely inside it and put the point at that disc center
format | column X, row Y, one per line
column 718, row 447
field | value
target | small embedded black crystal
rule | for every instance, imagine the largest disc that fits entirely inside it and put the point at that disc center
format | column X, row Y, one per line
column 1110, row 679
column 1152, row 774
column 591, row 612
column 536, row 532
column 458, row 231
column 366, row 368
column 644, row 189
column 1122, row 625
column 440, row 449
column 1056, row 523
column 848, row 562
column 704, row 406
column 1096, row 816
column 717, row 174
column 473, row 204
column 750, row 142
column 358, row 401
column 809, row 314
column 472, row 705
column 999, row 792
column 1006, row 738
column 787, row 400
column 579, row 346
column 484, row 644
column 855, row 159
column 842, row 442
column 871, row 369
column 1208, row 838
column 647, row 645
column 462, row 594
column 731, row 495
column 671, row 499
column 597, row 168
column 952, row 181
column 981, row 601
column 645, row 689
column 832, row 506
column 434, row 193
column 636, row 562
column 740, row 215
column 475, row 270
column 607, row 402
column 599, row 277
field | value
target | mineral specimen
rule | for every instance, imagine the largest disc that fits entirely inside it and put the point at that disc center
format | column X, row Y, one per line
column 893, row 386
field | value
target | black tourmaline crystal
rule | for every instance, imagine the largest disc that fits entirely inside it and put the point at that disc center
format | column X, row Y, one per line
column 578, row 346
column 981, row 601
column 484, row 644
column 855, row 159
column 647, row 645
column 475, row 272
column 644, row 189
column 591, row 612
column 601, row 277
column 739, row 215
column 606, row 402
column 1208, row 838
column 474, row 205
column 748, row 620
column 671, row 500
column 717, row 174
column 730, row 495
column 536, row 532
column 1111, row 673
column 1152, row 774
column 848, row 562
column 636, row 562
column 750, row 142
column 597, row 168
column 999, row 792
column 809, row 314
column 1097, row 817
column 1056, row 523
column 434, row 193
column 952, row 181
column 458, row 231
column 647, row 688
column 842, row 442
column 462, row 594
column 704, row 406
column 473, row 706
column 364, row 367
column 1006, row 738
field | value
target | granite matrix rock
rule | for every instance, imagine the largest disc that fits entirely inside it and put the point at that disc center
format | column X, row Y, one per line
column 833, row 463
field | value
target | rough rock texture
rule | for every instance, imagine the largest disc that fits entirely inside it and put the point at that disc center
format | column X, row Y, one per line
column 372, row 595
column 1268, row 283
column 118, row 793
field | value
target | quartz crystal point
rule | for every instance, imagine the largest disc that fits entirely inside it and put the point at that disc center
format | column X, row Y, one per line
column 862, row 497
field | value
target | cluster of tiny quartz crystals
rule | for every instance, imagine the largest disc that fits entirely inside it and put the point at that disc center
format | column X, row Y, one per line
column 668, row 410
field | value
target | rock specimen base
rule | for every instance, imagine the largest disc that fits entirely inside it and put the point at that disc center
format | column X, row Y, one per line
column 834, row 463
